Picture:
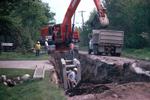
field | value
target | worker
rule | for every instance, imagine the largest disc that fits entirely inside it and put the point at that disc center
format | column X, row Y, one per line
column 72, row 50
column 72, row 78
column 46, row 44
column 37, row 48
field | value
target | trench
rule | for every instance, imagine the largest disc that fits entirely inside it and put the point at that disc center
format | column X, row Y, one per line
column 96, row 74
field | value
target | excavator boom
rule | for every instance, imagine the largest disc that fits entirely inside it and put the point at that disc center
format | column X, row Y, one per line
column 102, row 13
column 66, row 30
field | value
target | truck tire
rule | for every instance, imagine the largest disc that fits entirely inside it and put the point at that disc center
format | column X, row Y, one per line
column 89, row 51
column 118, row 54
column 95, row 49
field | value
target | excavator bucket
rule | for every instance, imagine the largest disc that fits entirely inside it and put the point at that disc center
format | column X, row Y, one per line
column 104, row 21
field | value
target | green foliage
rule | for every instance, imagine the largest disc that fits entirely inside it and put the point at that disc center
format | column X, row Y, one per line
column 84, row 40
column 137, row 53
column 135, row 41
column 92, row 23
column 20, row 21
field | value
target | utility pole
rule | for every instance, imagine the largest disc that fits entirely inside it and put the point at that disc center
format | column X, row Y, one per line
column 82, row 18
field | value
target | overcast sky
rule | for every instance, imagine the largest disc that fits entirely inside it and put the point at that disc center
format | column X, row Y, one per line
column 60, row 8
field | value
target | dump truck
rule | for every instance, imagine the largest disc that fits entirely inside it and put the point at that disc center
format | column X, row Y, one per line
column 106, row 42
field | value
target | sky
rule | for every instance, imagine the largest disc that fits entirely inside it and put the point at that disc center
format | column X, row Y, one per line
column 60, row 7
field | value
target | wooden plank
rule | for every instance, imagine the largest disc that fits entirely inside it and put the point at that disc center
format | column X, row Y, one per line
column 7, row 44
column 39, row 72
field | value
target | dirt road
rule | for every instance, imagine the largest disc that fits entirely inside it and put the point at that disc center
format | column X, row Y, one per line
column 25, row 64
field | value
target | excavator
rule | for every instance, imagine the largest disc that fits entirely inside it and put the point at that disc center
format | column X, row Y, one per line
column 64, row 34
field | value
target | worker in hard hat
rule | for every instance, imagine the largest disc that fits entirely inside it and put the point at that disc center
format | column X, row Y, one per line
column 72, row 78
column 46, row 43
column 37, row 48
column 71, row 50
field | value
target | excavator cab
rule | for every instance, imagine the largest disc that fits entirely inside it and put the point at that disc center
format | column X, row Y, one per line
column 61, row 42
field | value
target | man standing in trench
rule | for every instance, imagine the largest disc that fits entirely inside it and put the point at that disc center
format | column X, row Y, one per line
column 72, row 78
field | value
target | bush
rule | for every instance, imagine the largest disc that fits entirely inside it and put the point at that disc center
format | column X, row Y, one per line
column 135, row 41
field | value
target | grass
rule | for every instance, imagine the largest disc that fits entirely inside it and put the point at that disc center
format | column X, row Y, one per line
column 30, row 90
column 137, row 53
column 20, row 56
column 83, row 48
column 131, row 53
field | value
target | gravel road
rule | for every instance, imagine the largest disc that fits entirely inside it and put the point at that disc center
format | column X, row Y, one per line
column 25, row 64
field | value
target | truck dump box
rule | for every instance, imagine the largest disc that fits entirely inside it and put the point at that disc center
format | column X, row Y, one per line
column 107, row 42
column 108, row 37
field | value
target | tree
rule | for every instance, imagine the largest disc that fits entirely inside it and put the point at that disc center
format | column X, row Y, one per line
column 23, row 19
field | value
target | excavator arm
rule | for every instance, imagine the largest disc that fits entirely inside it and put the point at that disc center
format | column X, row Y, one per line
column 66, row 25
column 66, row 30
column 102, row 13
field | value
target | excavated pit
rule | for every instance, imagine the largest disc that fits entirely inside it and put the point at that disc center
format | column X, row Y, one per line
column 98, row 72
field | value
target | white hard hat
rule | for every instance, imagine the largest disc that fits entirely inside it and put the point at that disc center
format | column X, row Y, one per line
column 75, row 69
column 38, row 42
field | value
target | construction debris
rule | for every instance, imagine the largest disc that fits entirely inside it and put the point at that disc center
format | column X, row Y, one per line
column 39, row 72
column 13, row 81
column 25, row 77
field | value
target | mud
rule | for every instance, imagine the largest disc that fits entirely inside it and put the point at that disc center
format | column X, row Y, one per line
column 87, row 88
column 127, row 91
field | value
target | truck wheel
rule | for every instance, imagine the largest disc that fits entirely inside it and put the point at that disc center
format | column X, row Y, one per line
column 100, row 53
column 113, row 54
column 89, row 51
column 118, row 54
column 95, row 49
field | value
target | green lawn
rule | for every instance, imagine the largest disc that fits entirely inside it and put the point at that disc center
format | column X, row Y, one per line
column 85, row 48
column 133, row 53
column 20, row 56
column 30, row 90
column 137, row 53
